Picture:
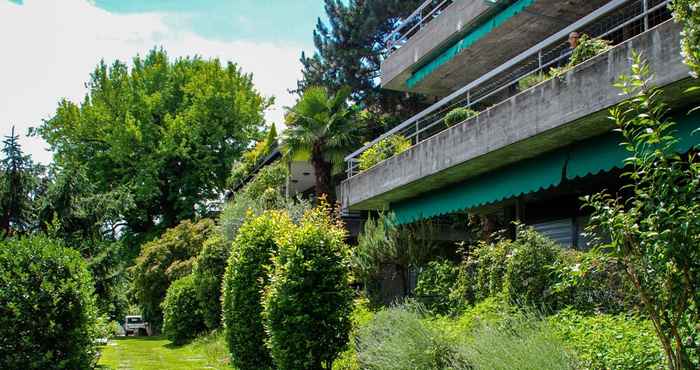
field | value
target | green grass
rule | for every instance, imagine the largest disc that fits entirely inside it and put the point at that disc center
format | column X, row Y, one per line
column 144, row 353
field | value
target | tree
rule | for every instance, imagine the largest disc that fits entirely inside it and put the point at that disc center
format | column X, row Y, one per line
column 350, row 49
column 320, row 124
column 166, row 130
column 17, row 185
column 655, row 233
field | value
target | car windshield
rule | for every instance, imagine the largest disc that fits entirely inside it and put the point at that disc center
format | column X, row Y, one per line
column 134, row 320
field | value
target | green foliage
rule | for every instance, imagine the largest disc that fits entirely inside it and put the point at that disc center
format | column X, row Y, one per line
column 687, row 14
column 252, row 157
column 106, row 328
column 208, row 272
column 384, row 149
column 588, row 48
column 320, row 125
column 592, row 282
column 459, row 115
column 383, row 243
column 245, row 280
column 435, row 285
column 270, row 177
column 182, row 313
column 350, row 53
column 655, row 234
column 532, row 80
column 47, row 308
column 361, row 317
column 167, row 130
column 529, row 278
column 609, row 341
column 400, row 338
column 18, row 182
column 491, row 261
column 308, row 303
column 165, row 260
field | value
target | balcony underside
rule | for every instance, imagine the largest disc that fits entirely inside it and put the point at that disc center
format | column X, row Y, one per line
column 426, row 65
column 555, row 114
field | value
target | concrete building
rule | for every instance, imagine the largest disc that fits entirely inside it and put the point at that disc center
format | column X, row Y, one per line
column 531, row 152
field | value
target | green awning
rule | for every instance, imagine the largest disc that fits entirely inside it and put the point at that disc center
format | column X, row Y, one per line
column 545, row 171
column 468, row 40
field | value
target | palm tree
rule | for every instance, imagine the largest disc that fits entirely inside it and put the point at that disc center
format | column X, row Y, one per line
column 320, row 126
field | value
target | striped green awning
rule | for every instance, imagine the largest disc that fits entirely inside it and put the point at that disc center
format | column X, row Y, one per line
column 548, row 170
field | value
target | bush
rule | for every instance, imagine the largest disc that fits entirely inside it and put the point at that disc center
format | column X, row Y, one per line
column 609, row 341
column 592, row 282
column 459, row 115
column 47, row 307
column 435, row 285
column 308, row 303
column 182, row 316
column 269, row 177
column 588, row 48
column 491, row 262
column 361, row 317
column 165, row 260
column 529, row 277
column 399, row 338
column 208, row 273
column 246, row 278
column 384, row 149
column 532, row 80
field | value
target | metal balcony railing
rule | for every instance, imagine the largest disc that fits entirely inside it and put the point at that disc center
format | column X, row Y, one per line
column 409, row 26
column 617, row 21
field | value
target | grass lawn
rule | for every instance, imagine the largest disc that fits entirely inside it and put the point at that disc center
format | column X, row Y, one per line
column 158, row 353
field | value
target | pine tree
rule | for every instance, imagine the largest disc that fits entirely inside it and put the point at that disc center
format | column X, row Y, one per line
column 16, row 186
column 350, row 49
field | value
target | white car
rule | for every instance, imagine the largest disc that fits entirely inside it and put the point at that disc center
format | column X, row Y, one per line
column 135, row 324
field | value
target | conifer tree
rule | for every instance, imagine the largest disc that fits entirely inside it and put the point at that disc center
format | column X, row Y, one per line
column 16, row 187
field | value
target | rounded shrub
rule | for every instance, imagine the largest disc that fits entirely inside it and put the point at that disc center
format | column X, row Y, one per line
column 529, row 277
column 47, row 307
column 245, row 279
column 459, row 115
column 182, row 317
column 308, row 304
column 208, row 273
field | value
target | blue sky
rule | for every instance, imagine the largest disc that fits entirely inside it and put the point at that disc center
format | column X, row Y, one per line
column 57, row 43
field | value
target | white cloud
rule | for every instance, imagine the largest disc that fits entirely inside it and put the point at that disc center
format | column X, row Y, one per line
column 51, row 46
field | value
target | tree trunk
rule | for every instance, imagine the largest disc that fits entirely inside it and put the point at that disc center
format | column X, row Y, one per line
column 322, row 172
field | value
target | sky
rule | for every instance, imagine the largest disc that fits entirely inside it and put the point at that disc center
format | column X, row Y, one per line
column 51, row 46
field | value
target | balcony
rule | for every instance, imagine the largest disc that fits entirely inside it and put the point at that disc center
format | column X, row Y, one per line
column 552, row 115
column 447, row 44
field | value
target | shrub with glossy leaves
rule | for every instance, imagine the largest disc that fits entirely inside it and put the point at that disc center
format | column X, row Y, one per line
column 182, row 314
column 47, row 307
column 308, row 304
column 208, row 273
column 529, row 277
column 384, row 149
column 246, row 278
column 435, row 285
column 459, row 115
column 165, row 260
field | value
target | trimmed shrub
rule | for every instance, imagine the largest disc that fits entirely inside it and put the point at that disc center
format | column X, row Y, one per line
column 384, row 149
column 47, row 307
column 435, row 285
column 208, row 273
column 459, row 115
column 245, row 279
column 182, row 316
column 308, row 303
column 165, row 260
column 529, row 277
column 609, row 341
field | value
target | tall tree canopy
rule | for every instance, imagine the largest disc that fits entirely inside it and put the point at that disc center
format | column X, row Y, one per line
column 350, row 49
column 166, row 130
column 18, row 183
